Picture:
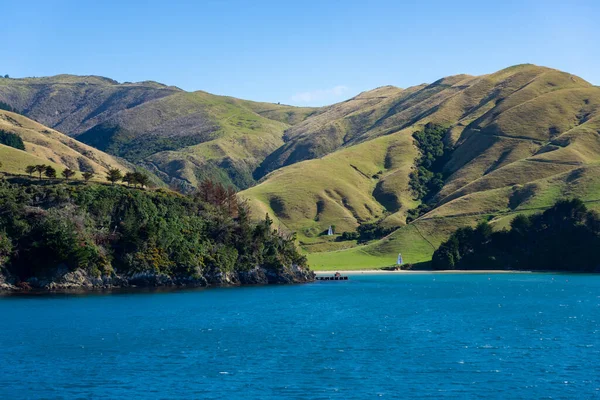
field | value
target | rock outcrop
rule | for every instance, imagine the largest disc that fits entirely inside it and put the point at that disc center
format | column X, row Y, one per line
column 82, row 280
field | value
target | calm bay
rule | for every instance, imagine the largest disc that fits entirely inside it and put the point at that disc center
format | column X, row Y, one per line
column 421, row 335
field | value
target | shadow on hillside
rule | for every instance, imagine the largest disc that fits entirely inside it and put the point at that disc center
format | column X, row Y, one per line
column 422, row 266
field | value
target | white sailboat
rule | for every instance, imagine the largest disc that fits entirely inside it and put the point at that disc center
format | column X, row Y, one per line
column 399, row 261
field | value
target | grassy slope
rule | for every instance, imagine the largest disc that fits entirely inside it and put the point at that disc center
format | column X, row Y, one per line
column 332, row 127
column 337, row 189
column 74, row 104
column 239, row 140
column 525, row 137
column 47, row 146
column 14, row 161
column 181, row 136
column 290, row 115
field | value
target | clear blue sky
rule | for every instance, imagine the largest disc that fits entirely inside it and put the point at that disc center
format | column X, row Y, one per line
column 310, row 52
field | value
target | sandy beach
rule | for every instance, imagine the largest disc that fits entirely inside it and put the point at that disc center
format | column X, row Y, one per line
column 379, row 271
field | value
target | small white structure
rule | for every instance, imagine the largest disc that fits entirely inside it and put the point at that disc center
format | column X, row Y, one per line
column 399, row 261
column 330, row 231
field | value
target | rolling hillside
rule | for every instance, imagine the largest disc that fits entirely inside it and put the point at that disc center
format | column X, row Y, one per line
column 182, row 137
column 514, row 141
column 47, row 146
column 521, row 138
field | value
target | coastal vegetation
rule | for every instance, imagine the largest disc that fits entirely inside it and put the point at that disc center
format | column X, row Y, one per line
column 114, row 232
column 565, row 237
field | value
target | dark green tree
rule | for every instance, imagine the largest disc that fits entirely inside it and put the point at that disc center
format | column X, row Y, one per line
column 114, row 175
column 50, row 172
column 30, row 169
column 11, row 140
column 141, row 178
column 67, row 173
column 40, row 169
column 129, row 178
column 87, row 175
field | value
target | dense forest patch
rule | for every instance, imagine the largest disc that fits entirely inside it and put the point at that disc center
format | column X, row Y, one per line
column 565, row 237
column 427, row 179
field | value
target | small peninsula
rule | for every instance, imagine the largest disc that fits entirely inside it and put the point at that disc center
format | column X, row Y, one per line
column 60, row 235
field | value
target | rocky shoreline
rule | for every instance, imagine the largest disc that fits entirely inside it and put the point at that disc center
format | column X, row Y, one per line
column 81, row 280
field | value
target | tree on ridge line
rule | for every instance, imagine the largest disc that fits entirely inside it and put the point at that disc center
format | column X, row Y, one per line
column 114, row 175
column 67, row 173
column 87, row 175
column 50, row 172
column 40, row 169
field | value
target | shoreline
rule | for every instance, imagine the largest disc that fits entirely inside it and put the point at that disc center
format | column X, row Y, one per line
column 446, row 271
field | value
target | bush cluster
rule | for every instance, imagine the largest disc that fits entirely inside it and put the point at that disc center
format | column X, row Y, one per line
column 367, row 232
column 11, row 140
column 7, row 107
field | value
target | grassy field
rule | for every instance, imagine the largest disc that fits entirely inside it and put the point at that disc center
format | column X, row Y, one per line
column 416, row 242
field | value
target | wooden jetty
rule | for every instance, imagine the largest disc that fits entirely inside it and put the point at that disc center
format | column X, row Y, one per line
column 336, row 277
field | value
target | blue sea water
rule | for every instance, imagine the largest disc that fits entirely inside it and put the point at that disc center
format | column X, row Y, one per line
column 379, row 336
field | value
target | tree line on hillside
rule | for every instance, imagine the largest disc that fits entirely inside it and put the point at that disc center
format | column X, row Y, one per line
column 131, row 178
column 50, row 172
column 113, row 175
column 565, row 237
column 107, row 230
column 428, row 179
column 366, row 232
column 425, row 181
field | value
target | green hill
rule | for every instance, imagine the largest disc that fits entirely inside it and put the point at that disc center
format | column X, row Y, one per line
column 512, row 141
column 43, row 145
column 182, row 137
column 519, row 139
